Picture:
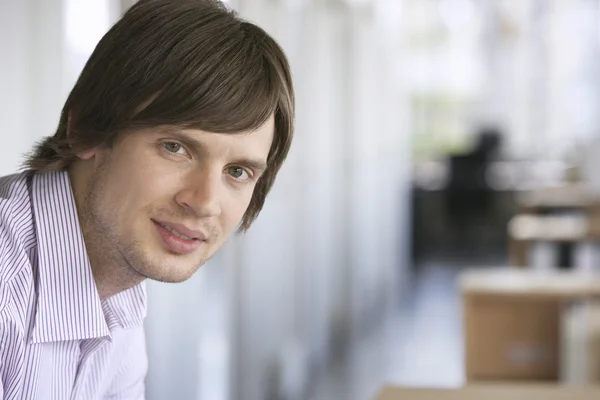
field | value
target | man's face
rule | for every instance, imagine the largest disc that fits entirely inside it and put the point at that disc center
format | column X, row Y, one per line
column 165, row 201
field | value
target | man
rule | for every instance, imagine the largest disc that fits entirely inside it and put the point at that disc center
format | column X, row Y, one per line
column 170, row 139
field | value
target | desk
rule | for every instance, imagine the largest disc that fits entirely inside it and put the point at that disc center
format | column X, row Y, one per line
column 570, row 196
column 493, row 392
column 551, row 213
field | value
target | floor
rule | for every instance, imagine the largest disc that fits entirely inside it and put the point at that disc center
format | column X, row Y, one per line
column 421, row 346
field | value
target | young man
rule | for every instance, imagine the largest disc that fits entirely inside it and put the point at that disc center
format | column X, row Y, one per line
column 170, row 140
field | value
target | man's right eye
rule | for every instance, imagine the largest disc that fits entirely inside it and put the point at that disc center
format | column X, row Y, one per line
column 175, row 148
column 172, row 147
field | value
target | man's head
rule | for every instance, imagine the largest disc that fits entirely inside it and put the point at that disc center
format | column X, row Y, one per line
column 178, row 125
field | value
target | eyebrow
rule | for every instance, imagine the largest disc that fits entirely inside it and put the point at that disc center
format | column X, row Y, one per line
column 258, row 166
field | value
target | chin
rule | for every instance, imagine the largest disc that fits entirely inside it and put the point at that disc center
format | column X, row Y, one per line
column 169, row 277
column 177, row 272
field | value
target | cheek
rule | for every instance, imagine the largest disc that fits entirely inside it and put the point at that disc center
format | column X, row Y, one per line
column 131, row 189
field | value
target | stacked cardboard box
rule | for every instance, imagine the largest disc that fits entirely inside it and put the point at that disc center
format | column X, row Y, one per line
column 514, row 322
column 580, row 344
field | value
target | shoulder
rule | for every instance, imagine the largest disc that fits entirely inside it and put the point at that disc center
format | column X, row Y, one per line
column 15, row 217
column 14, row 188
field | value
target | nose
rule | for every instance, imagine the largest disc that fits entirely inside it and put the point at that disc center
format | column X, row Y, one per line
column 201, row 194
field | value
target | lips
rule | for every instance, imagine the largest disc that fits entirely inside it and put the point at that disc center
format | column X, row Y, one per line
column 176, row 233
column 179, row 239
column 182, row 230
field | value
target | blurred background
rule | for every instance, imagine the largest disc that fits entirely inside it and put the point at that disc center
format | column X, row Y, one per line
column 434, row 138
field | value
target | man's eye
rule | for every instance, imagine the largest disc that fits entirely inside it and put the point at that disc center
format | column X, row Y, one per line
column 172, row 147
column 238, row 173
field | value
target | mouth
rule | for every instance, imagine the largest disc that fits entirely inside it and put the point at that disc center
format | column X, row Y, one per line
column 182, row 231
column 176, row 233
column 178, row 239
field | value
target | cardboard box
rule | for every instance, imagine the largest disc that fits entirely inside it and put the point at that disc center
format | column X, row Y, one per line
column 593, row 346
column 580, row 345
column 512, row 321
column 499, row 392
column 511, row 339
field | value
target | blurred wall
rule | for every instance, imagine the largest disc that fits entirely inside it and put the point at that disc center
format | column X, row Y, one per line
column 31, row 75
column 44, row 44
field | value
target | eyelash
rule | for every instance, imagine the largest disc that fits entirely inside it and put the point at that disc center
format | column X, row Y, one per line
column 181, row 147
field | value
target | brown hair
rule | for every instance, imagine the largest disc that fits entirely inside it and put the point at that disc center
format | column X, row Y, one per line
column 186, row 63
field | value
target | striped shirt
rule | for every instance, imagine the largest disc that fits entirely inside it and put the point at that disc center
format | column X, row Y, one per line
column 58, row 340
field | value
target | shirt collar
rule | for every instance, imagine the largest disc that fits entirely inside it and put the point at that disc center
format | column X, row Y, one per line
column 69, row 307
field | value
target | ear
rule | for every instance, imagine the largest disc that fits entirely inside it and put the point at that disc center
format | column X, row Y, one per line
column 69, row 122
column 86, row 155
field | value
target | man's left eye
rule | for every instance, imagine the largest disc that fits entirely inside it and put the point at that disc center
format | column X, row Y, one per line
column 238, row 173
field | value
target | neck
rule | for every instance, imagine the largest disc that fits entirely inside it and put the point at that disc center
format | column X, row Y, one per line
column 110, row 275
